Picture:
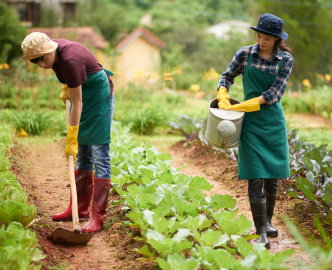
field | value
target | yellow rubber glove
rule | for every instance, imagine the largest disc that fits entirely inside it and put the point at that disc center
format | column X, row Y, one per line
column 72, row 144
column 223, row 97
column 250, row 105
column 64, row 94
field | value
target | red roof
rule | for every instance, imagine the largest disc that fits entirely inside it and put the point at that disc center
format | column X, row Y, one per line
column 140, row 32
column 78, row 34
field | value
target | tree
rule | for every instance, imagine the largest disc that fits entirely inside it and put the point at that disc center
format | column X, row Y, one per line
column 11, row 32
column 309, row 27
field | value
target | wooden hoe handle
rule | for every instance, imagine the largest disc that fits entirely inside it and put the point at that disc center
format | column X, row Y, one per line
column 76, row 223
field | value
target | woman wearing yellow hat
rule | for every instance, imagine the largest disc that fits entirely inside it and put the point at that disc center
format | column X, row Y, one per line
column 90, row 90
column 263, row 149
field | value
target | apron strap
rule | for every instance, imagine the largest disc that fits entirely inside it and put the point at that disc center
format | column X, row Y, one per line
column 281, row 61
column 108, row 72
column 249, row 60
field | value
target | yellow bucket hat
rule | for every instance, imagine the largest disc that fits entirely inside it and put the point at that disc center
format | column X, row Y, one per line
column 37, row 44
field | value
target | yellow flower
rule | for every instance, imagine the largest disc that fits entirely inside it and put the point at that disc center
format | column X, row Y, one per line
column 307, row 83
column 167, row 74
column 139, row 75
column 22, row 133
column 4, row 66
column 327, row 78
column 154, row 75
column 211, row 75
column 168, row 79
column 194, row 87
column 177, row 71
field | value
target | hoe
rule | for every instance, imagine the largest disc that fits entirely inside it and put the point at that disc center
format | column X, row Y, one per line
column 62, row 235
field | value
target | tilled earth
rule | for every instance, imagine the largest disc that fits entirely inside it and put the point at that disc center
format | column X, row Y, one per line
column 43, row 171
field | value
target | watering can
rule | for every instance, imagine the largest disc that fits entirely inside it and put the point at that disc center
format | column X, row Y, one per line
column 224, row 126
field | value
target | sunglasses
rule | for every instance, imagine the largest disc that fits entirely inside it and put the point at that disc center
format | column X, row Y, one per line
column 36, row 60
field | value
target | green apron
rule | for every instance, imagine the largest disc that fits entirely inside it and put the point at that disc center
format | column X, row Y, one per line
column 263, row 148
column 95, row 120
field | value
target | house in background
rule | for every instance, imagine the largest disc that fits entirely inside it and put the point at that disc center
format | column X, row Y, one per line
column 223, row 29
column 138, row 51
column 29, row 11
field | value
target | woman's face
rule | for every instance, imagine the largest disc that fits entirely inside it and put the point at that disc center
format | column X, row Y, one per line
column 47, row 61
column 265, row 42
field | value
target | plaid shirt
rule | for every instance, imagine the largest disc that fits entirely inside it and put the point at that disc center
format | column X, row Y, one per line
column 240, row 62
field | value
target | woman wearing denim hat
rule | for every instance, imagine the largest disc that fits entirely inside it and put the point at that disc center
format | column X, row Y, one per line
column 263, row 148
column 90, row 90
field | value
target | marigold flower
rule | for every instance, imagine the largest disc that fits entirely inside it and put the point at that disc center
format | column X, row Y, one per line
column 22, row 133
column 307, row 83
column 194, row 87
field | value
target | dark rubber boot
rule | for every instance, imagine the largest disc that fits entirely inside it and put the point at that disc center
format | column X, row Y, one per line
column 99, row 204
column 83, row 181
column 258, row 210
column 270, row 203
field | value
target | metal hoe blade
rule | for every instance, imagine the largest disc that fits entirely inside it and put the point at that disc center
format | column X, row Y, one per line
column 64, row 236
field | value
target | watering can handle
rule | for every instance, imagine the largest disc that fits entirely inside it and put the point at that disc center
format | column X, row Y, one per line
column 76, row 223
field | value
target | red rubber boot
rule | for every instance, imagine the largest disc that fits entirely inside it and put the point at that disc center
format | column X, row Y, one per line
column 99, row 204
column 83, row 181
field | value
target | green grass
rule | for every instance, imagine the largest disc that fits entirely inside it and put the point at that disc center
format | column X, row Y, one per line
column 161, row 142
column 317, row 136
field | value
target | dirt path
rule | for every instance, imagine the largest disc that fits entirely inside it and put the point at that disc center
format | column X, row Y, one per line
column 49, row 170
column 43, row 171
column 221, row 172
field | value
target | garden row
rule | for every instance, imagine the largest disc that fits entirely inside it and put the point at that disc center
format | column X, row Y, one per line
column 311, row 166
column 182, row 227
column 18, row 245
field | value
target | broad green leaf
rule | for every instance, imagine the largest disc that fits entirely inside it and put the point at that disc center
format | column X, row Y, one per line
column 224, row 259
column 178, row 263
column 249, row 260
column 163, row 264
column 222, row 201
column 200, row 183
column 181, row 235
column 146, row 251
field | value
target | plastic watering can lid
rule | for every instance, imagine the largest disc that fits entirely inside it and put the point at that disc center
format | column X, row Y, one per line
column 226, row 114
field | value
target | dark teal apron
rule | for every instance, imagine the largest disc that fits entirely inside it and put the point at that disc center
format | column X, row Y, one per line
column 95, row 119
column 263, row 148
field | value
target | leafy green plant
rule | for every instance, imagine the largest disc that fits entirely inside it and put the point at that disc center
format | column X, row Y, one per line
column 311, row 169
column 11, row 211
column 18, row 248
column 33, row 122
column 175, row 217
column 146, row 120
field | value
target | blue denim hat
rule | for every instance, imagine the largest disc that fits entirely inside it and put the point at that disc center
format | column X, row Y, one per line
column 271, row 25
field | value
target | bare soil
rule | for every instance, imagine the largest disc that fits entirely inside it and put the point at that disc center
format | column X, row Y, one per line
column 43, row 171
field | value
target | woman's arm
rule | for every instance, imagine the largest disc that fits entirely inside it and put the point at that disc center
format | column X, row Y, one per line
column 234, row 69
column 75, row 95
column 276, row 91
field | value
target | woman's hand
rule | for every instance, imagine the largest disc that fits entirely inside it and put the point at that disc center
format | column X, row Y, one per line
column 261, row 100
